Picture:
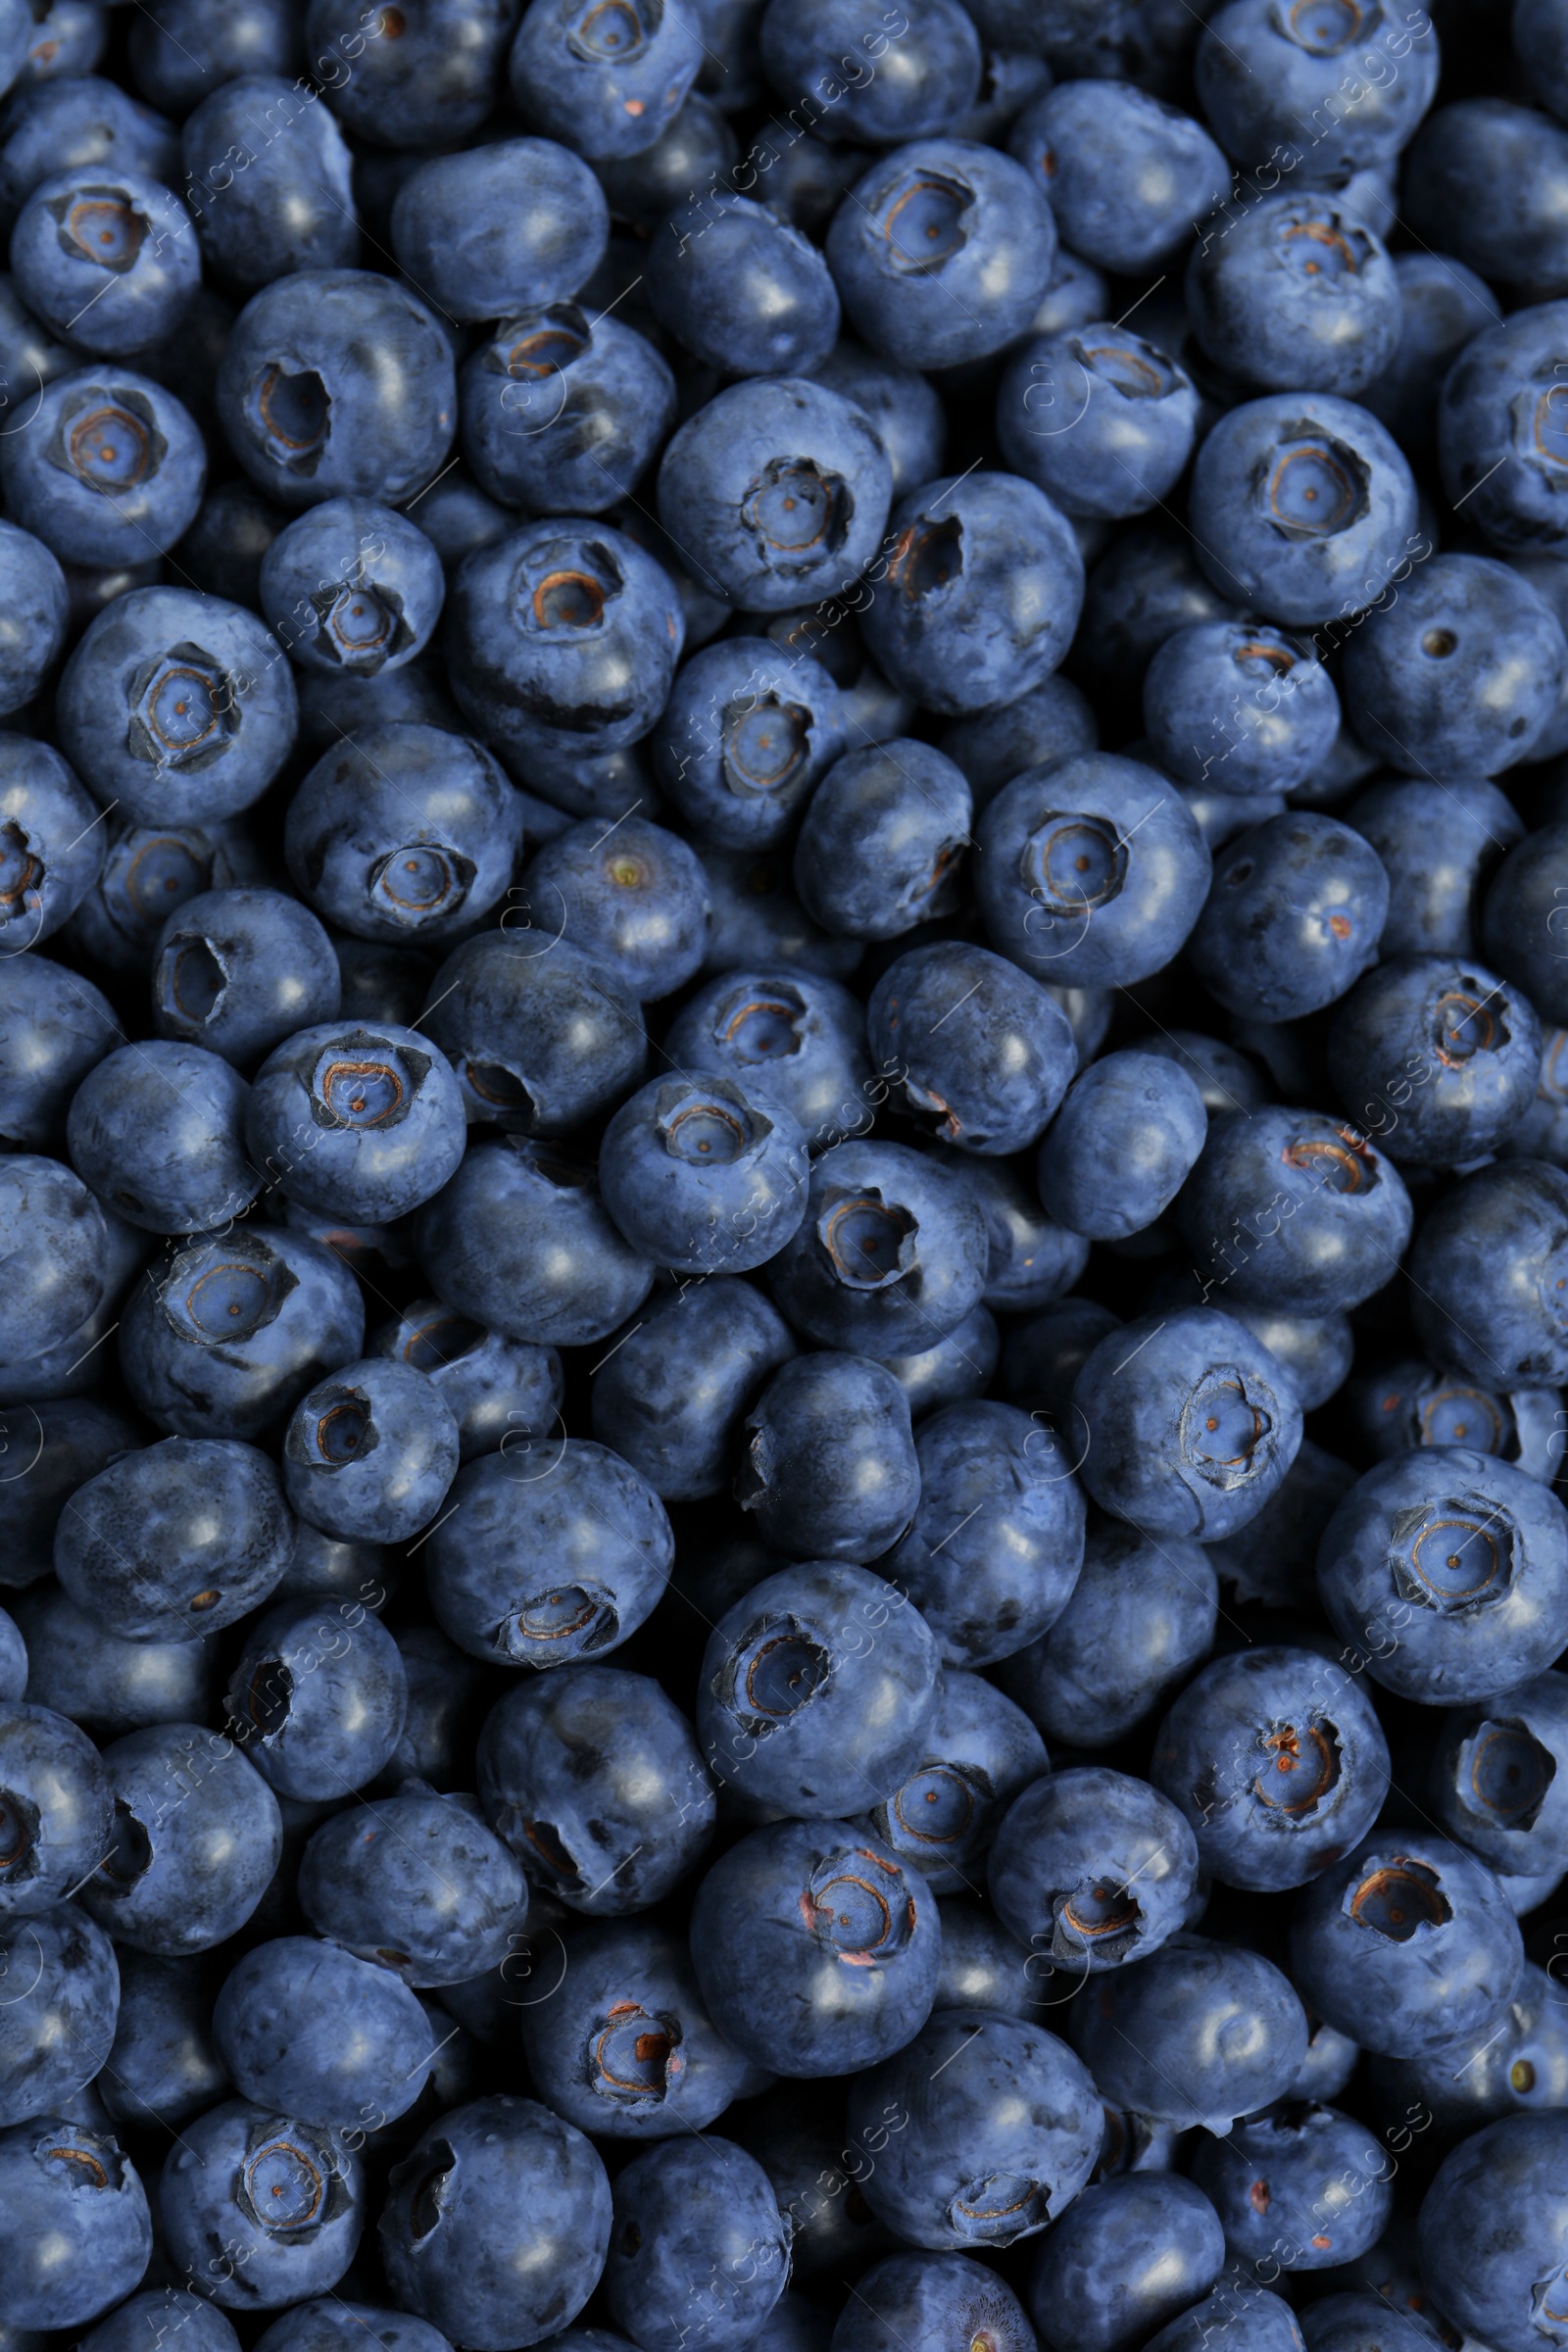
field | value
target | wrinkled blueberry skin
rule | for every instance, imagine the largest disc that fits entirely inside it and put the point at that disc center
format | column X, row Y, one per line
column 1407, row 1943
column 1121, row 1146
column 494, row 1387
column 982, row 588
column 1515, row 1820
column 237, row 971
column 1145, row 1433
column 1442, row 1629
column 993, row 1553
column 603, row 102
column 210, row 2193
column 417, row 1883
column 520, row 1240
column 199, row 2325
column 997, row 244
column 1493, row 2227
column 157, row 1129
column 119, row 708
column 292, row 206
column 914, row 85
column 278, row 2026
column 525, row 1570
column 318, row 1697
column 1071, row 1839
column 1139, row 903
column 1293, row 916
column 220, row 1337
column 731, row 472
column 699, row 2252
column 741, row 289
column 635, row 1972
column 1438, row 844
column 748, row 734
column 990, row 2099
column 671, row 1398
column 1516, row 933
column 928, row 2299
column 563, row 411
column 593, row 1778
column 1298, row 295
column 78, row 2250
column 1492, row 409
column 491, row 232
column 1140, row 1617
column 1330, row 2194
column 524, row 2216
column 197, row 1836
column 704, row 1175
column 829, row 1466
column 370, row 1452
column 1484, row 1273
column 981, row 1750
column 539, row 1041
column 891, row 1255
column 844, row 1994
column 1129, row 2254
column 142, row 1548
column 163, row 2067
column 57, row 2029
column 881, row 840
column 55, row 1798
column 1006, row 1053
column 366, row 378
column 350, row 587
column 432, row 82
column 1262, row 83
column 1250, row 483
column 1464, row 673
column 1239, row 708
column 1294, row 1211
column 1276, row 1761
column 818, row 1691
column 116, row 307
column 1189, row 2002
column 1127, row 179
column 362, row 1124
column 797, row 1035
column 1100, row 420
column 1465, row 1045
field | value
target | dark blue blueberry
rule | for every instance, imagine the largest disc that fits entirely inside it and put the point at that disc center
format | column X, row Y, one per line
column 195, row 1839
column 1509, row 2068
column 1406, row 1944
column 1050, row 723
column 1303, row 508
column 1540, row 45
column 109, row 468
column 520, row 1240
column 164, row 2311
column 177, row 707
column 905, row 408
column 237, row 971
column 219, row 1338
column 942, row 252
column 756, row 918
column 819, row 1691
column 1063, row 891
column 1121, row 1146
column 318, row 1697
column 1127, row 177
column 1438, row 1058
column 362, row 1124
column 564, row 410
column 1483, row 181
column 142, row 1548
column 563, row 637
column 553, row 1549
column 1306, row 2186
column 747, row 736
column 829, row 1467
column 854, row 1987
column 1408, row 1403
column 1499, row 1777
column 1278, row 1762
column 149, row 871
column 371, row 1451
column 412, row 79
column 777, row 493
column 1029, row 1260
column 447, row 1694
column 495, row 1387
column 1146, row 585
column 697, row 149
column 930, row 2300
column 55, row 1805
column 604, row 81
column 260, row 2210
column 278, row 2025
column 704, row 1175
column 1494, row 2231
column 1517, row 915
column 1499, row 437
column 892, row 1253
column 57, row 2026
column 403, row 833
column 1045, row 1354
column 495, row 229
column 980, row 1752
column 1197, row 2034
column 351, row 587
column 951, row 1369
column 1293, row 916
column 1239, row 708
column 1097, row 417
column 51, row 846
column 741, row 289
column 76, row 2211
column 1295, row 295
column 335, row 705
column 540, row 1034
column 108, row 257
column 162, row 2069
column 993, row 1553
column 78, row 120
column 417, row 1883
column 1333, row 89
column 981, row 591
column 1447, row 1570
column 1237, row 2316
column 1293, row 1212
column 699, row 2252
column 268, row 176
column 1462, row 673
column 32, row 622
column 1438, row 843
column 875, row 78
column 79, row 1258
column 1442, row 305
column 1187, row 1425
column 178, row 58
column 158, row 1129
column 1140, row 1617
column 305, row 415
column 52, row 1449
column 882, row 840
column 1092, row 1870
column 671, row 1397
column 333, row 2324
column 999, row 1070
column 797, row 1035
column 994, row 2128
column 1128, row 2255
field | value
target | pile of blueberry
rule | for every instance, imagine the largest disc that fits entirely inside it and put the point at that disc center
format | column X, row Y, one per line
column 784, row 1211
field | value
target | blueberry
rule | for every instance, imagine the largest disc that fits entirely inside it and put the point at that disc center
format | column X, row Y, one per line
column 1000, row 1073
column 1411, row 1404
column 318, row 1696
column 494, row 1387
column 1237, row 2316
column 745, row 738
column 1128, row 2253
column 149, row 873
column 1293, row 916
column 489, row 232
column 1295, row 295
column 80, row 120
column 140, row 1548
column 1406, row 1944
column 1437, row 843
column 1493, row 2230
column 1127, row 177
column 670, row 1398
column 799, row 1036
column 741, row 289
column 913, row 81
column 1092, row 1870
column 1122, row 1145
column 32, row 628
column 350, row 586
column 1482, row 2075
column 1050, row 723
column 163, row 2067
column 1497, row 430
column 1045, row 1352
column 563, row 409
column 1456, row 1050
column 755, row 915
column 75, row 2208
column 696, row 148
column 258, row 2208
column 604, row 85
column 1294, row 1212
column 952, row 1370
column 851, row 1990
column 829, row 1466
column 277, row 2025
column 905, row 410
column 981, row 1751
column 1239, row 708
column 371, row 1451
column 158, row 1132
column 268, row 176
column 1480, row 181
column 237, row 971
column 109, row 259
column 410, row 80
column 359, row 1123
column 931, row 2299
column 1332, row 90
column 519, row 1239
column 195, row 1839
column 892, row 1252
column 331, row 2325
column 59, row 1446
column 199, row 2325
column 881, row 841
column 540, row 1039
column 1428, row 680
column 704, row 1175
column 1494, row 1773
column 699, row 2252
column 1197, row 2034
column 1487, row 1285
column 1305, row 2185
column 1029, row 1260
column 1099, row 419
